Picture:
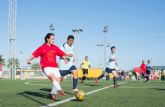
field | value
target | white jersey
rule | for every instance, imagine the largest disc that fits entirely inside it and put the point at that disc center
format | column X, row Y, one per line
column 68, row 50
column 111, row 63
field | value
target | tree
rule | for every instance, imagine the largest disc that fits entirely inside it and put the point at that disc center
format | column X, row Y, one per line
column 13, row 61
column 2, row 60
column 35, row 66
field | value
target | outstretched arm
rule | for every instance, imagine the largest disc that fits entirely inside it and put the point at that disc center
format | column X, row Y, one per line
column 30, row 59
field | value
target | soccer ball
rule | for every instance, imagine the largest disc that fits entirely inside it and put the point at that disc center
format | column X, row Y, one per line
column 80, row 95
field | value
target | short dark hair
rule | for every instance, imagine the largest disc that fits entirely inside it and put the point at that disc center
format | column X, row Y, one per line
column 113, row 47
column 148, row 61
column 48, row 35
column 70, row 37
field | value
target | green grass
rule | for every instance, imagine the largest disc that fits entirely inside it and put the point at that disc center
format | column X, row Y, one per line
column 132, row 94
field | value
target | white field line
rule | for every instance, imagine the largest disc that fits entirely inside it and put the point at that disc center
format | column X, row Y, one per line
column 72, row 98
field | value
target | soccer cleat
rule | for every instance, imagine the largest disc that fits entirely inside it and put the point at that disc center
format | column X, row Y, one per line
column 75, row 90
column 96, row 81
column 61, row 93
column 115, row 86
column 53, row 97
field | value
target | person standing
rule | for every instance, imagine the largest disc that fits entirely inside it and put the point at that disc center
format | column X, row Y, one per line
column 85, row 66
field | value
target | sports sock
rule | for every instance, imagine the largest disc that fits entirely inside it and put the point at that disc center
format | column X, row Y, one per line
column 101, row 76
column 75, row 81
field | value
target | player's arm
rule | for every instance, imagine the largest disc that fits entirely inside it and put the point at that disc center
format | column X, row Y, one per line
column 89, row 65
column 30, row 59
column 82, row 64
column 61, row 54
column 69, row 55
column 65, row 60
column 35, row 54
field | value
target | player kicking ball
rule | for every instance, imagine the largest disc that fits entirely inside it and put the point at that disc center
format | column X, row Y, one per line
column 111, row 68
column 47, row 53
column 70, row 67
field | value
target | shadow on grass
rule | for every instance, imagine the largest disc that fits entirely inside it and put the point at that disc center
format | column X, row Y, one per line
column 159, row 89
column 92, row 85
column 32, row 96
column 45, row 89
column 48, row 90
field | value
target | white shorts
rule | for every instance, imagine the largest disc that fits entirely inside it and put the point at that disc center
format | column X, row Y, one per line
column 52, row 70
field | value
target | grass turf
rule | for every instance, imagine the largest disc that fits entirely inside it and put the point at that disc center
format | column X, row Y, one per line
column 132, row 94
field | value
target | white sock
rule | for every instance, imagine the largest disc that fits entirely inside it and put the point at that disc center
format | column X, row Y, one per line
column 54, row 90
column 56, row 85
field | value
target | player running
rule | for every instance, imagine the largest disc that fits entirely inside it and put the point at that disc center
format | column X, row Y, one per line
column 111, row 68
column 66, row 69
column 148, row 70
column 47, row 53
column 85, row 66
column 143, row 68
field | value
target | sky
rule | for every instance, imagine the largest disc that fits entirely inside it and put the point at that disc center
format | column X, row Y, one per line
column 136, row 28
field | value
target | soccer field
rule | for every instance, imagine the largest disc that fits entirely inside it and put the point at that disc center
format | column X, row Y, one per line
column 34, row 93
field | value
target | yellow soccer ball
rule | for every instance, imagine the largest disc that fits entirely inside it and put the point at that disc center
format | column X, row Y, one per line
column 80, row 95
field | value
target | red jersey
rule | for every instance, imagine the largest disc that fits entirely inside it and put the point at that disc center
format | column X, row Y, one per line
column 143, row 68
column 0, row 67
column 48, row 55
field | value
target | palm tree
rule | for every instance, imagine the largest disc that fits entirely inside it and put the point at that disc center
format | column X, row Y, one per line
column 2, row 60
column 35, row 66
column 13, row 61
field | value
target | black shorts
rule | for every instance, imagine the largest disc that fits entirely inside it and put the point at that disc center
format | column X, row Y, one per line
column 108, row 70
column 147, row 71
column 66, row 72
column 85, row 71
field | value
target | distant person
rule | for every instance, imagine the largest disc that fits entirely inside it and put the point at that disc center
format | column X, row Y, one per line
column 143, row 68
column 47, row 53
column 85, row 66
column 111, row 68
column 1, row 74
column 148, row 70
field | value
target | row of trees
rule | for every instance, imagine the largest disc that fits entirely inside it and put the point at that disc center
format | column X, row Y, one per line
column 34, row 66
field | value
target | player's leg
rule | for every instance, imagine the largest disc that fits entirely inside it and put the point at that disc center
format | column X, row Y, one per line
column 137, row 76
column 115, row 78
column 85, row 73
column 102, row 75
column 63, row 73
column 147, row 75
column 55, row 81
column 74, row 71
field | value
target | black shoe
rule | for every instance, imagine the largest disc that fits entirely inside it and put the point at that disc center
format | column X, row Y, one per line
column 53, row 97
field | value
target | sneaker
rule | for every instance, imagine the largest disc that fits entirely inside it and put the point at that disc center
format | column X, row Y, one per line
column 96, row 81
column 53, row 97
column 115, row 86
column 75, row 90
column 61, row 93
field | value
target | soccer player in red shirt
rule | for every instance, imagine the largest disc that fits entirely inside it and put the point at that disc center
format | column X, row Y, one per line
column 143, row 68
column 47, row 53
